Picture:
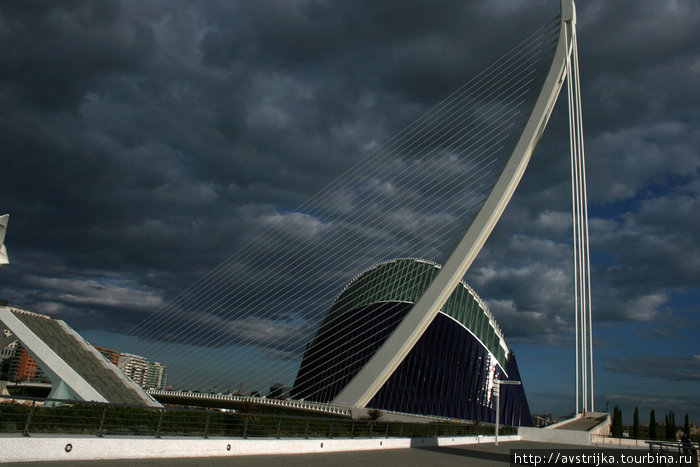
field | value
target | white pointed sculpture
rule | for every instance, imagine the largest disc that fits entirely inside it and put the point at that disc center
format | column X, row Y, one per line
column 3, row 228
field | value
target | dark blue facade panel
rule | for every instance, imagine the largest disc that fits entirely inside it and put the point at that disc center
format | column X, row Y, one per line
column 518, row 412
column 341, row 348
column 447, row 372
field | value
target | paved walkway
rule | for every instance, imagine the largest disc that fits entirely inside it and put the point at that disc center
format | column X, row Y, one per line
column 467, row 455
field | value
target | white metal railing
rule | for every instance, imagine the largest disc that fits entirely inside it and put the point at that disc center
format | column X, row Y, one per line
column 316, row 406
column 298, row 404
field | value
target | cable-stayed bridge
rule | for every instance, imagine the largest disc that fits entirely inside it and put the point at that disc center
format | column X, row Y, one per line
column 453, row 170
column 429, row 196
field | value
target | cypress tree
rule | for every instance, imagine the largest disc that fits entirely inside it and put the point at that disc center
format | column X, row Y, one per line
column 635, row 427
column 652, row 424
column 670, row 425
column 617, row 422
column 686, row 428
column 673, row 424
column 672, row 429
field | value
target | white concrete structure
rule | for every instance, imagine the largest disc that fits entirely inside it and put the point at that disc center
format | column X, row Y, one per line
column 67, row 383
column 74, row 448
column 76, row 369
column 3, row 229
column 579, row 209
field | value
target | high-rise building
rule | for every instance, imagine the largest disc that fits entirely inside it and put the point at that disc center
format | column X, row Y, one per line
column 22, row 367
column 25, row 367
column 111, row 355
column 8, row 344
column 156, row 377
column 135, row 367
column 278, row 391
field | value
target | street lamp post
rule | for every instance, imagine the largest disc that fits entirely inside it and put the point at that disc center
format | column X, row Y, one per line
column 497, row 393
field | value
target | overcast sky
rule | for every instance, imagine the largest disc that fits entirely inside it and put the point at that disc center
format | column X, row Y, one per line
column 140, row 142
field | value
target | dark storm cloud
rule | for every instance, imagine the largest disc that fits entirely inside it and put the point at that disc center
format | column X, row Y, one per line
column 638, row 61
column 58, row 51
column 142, row 144
column 640, row 119
column 674, row 368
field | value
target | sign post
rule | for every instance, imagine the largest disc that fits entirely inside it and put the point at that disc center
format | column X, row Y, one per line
column 497, row 393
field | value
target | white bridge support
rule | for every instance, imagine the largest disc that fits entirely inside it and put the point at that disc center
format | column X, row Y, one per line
column 582, row 263
column 380, row 367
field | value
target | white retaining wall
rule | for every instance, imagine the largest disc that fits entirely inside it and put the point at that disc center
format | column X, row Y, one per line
column 66, row 448
column 597, row 440
column 554, row 436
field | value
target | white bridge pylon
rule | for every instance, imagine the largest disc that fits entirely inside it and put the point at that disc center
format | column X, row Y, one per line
column 360, row 390
column 582, row 263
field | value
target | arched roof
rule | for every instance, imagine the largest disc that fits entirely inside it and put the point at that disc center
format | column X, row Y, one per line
column 405, row 280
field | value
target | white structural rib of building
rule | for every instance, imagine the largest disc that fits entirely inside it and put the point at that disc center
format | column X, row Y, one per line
column 3, row 228
column 380, row 367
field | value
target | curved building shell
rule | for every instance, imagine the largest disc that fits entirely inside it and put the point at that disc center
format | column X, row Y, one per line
column 449, row 372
